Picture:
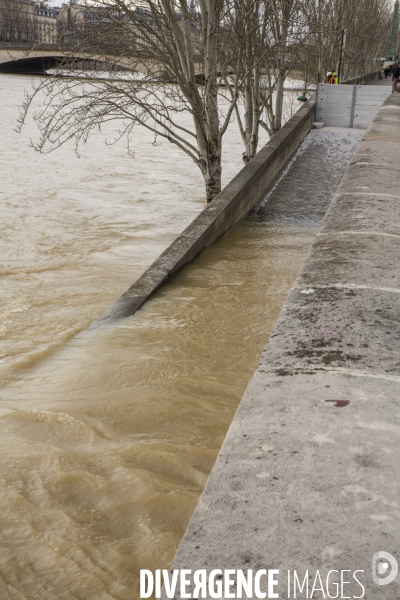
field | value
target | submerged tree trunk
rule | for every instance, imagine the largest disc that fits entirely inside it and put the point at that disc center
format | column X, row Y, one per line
column 255, row 126
column 248, row 118
column 213, row 141
column 278, row 105
column 249, row 13
column 212, row 177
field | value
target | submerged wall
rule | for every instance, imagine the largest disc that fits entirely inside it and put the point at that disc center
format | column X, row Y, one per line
column 230, row 206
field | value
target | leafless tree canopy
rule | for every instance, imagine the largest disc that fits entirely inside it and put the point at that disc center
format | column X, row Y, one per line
column 367, row 24
column 202, row 58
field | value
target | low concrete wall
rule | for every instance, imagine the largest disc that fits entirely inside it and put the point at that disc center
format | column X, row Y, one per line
column 367, row 78
column 308, row 477
column 230, row 206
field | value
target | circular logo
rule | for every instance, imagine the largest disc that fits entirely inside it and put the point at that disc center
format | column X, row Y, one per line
column 382, row 574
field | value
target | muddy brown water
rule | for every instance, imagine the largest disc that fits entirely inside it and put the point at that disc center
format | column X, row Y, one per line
column 107, row 436
column 109, row 442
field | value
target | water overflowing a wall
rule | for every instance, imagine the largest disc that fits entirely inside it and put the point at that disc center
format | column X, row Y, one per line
column 108, row 435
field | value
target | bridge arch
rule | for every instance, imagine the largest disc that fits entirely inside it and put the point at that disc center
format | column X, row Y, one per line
column 36, row 65
column 21, row 58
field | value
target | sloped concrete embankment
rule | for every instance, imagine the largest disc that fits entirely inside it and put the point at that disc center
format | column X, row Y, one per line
column 308, row 477
column 230, row 206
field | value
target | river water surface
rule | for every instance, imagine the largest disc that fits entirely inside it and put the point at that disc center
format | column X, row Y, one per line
column 108, row 436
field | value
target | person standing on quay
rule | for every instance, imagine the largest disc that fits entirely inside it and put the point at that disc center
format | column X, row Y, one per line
column 332, row 78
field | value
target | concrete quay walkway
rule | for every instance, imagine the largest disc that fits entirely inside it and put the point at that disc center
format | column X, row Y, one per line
column 308, row 478
column 387, row 82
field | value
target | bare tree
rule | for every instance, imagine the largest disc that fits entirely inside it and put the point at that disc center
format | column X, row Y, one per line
column 301, row 38
column 198, row 58
column 178, row 58
column 247, row 29
column 290, row 32
column 367, row 24
column 276, row 31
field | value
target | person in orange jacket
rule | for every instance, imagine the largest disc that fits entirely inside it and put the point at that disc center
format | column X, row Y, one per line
column 332, row 78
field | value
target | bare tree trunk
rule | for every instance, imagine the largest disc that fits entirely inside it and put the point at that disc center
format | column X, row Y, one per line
column 283, row 29
column 248, row 118
column 211, row 147
column 248, row 15
column 278, row 105
column 256, row 111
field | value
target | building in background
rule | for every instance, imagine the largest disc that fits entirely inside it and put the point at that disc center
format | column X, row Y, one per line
column 27, row 21
column 46, row 23
column 17, row 21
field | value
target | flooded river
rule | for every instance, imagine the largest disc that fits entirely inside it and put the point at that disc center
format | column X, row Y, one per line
column 108, row 436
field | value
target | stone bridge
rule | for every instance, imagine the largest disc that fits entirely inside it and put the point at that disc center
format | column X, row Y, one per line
column 36, row 60
column 16, row 57
column 23, row 58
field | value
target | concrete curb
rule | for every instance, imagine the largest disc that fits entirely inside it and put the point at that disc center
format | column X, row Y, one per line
column 230, row 206
column 308, row 477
